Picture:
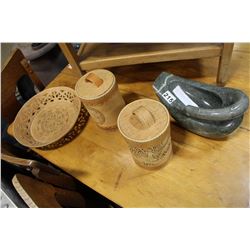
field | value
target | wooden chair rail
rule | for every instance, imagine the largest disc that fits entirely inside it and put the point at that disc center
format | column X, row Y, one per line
column 92, row 56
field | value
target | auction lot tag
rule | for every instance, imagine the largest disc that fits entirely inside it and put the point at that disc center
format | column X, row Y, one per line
column 169, row 97
column 183, row 97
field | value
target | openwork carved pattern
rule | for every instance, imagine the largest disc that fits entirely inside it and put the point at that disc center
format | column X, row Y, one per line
column 73, row 133
column 41, row 102
column 152, row 155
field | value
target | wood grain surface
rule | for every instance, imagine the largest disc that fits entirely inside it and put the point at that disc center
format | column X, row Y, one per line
column 119, row 54
column 202, row 172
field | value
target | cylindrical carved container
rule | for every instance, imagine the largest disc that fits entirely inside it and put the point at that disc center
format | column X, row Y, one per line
column 145, row 124
column 100, row 95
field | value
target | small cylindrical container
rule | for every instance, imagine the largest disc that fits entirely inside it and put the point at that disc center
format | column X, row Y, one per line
column 145, row 125
column 100, row 95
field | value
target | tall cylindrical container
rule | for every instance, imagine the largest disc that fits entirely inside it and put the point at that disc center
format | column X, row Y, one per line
column 100, row 95
column 145, row 125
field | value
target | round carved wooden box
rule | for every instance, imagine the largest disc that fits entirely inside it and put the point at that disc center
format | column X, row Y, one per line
column 100, row 95
column 145, row 125
column 50, row 119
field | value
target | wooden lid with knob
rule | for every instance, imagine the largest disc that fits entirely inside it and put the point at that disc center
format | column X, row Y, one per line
column 143, row 120
column 95, row 84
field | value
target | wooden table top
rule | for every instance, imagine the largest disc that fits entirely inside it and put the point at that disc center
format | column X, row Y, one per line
column 202, row 172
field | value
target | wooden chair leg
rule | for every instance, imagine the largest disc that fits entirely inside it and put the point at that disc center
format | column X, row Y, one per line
column 32, row 74
column 80, row 50
column 72, row 57
column 224, row 62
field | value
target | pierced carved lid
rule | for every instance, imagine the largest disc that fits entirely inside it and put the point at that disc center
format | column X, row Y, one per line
column 143, row 120
column 95, row 84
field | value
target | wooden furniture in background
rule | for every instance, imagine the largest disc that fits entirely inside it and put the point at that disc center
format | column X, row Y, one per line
column 15, row 67
column 93, row 56
column 225, row 58
column 71, row 56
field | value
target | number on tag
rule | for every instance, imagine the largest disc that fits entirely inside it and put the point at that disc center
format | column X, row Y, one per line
column 169, row 97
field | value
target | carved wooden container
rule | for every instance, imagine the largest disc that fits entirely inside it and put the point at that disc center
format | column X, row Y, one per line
column 50, row 119
column 100, row 95
column 145, row 124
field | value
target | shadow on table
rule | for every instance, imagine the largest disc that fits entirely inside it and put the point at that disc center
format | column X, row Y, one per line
column 131, row 96
column 149, row 71
column 93, row 198
column 178, row 135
